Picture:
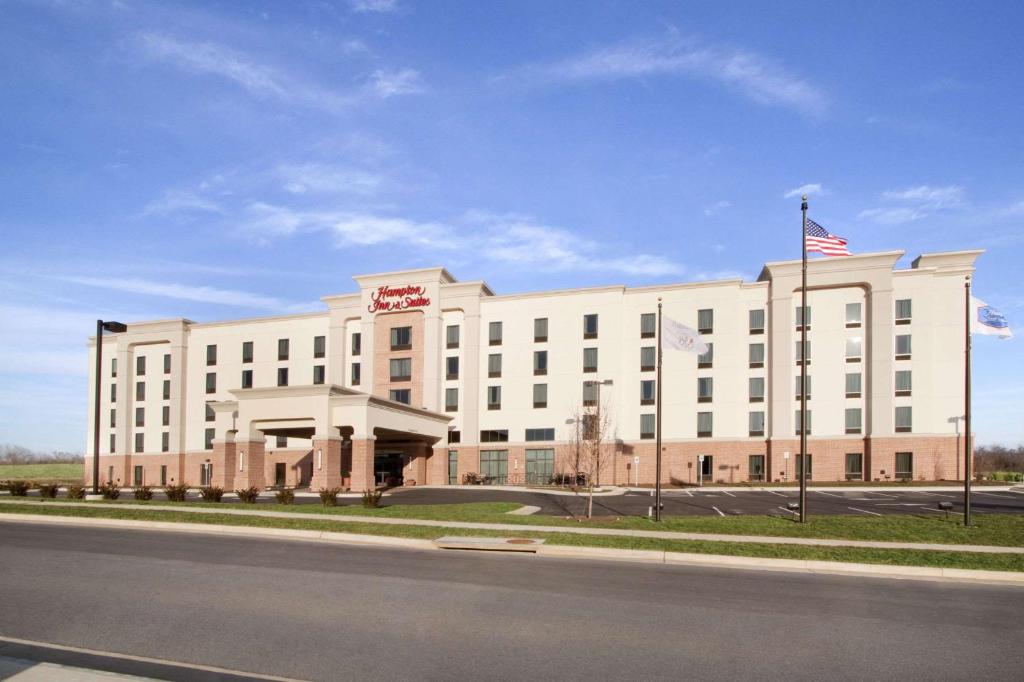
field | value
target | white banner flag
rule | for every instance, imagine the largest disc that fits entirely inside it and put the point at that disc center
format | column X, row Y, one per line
column 987, row 320
column 677, row 336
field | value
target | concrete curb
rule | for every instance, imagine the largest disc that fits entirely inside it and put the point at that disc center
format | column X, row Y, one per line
column 959, row 575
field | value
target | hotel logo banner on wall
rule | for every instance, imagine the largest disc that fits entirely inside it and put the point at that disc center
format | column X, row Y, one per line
column 391, row 299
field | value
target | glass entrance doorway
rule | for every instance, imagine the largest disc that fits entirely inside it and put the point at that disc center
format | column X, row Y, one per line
column 387, row 468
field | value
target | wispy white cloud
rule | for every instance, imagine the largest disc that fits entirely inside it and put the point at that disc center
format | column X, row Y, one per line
column 810, row 189
column 382, row 6
column 915, row 203
column 178, row 201
column 716, row 207
column 757, row 77
column 321, row 178
column 185, row 292
column 400, row 82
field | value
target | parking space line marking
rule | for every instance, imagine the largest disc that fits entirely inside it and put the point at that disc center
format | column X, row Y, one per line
column 718, row 510
column 940, row 511
column 865, row 511
column 728, row 493
column 872, row 492
column 924, row 492
column 775, row 493
column 787, row 510
column 979, row 492
column 822, row 492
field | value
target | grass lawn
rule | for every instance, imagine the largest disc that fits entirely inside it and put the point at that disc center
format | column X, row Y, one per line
column 995, row 562
column 42, row 473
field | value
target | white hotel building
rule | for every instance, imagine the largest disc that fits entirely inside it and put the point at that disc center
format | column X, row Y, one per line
column 418, row 378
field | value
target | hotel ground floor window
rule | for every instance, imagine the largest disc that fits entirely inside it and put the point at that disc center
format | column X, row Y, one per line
column 707, row 466
column 205, row 473
column 540, row 465
column 756, row 467
column 800, row 466
column 110, row 474
column 137, row 475
column 854, row 466
column 453, row 467
column 494, row 466
column 904, row 466
column 163, row 474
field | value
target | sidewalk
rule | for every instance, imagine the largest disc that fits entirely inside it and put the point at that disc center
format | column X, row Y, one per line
column 516, row 527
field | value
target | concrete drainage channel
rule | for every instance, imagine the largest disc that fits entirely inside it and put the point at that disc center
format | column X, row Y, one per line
column 530, row 545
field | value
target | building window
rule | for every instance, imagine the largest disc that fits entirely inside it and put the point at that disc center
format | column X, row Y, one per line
column 540, row 329
column 589, row 359
column 494, row 333
column 319, row 346
column 400, row 369
column 167, row 389
column 853, row 423
column 543, row 435
column 494, row 436
column 803, row 318
column 756, row 355
column 647, row 426
column 705, row 321
column 540, row 395
column 163, row 472
column 140, row 442
column 357, row 343
column 707, row 467
column 648, row 322
column 590, row 326
column 211, row 355
column 540, row 466
column 796, row 420
column 140, row 365
column 800, row 467
column 246, row 378
column 165, row 415
column 904, row 466
column 589, row 393
column 113, row 419
column 400, row 395
column 756, row 389
column 401, row 338
column 282, row 349
column 903, row 347
column 113, row 393
column 451, row 400
column 800, row 357
column 853, row 315
column 140, row 390
column 757, row 321
column 282, row 376
column 453, row 467
column 165, row 446
column 113, row 443
column 494, row 397
column 903, row 311
column 707, row 358
column 797, row 384
column 903, row 381
column 246, row 352
column 704, row 424
column 494, row 466
column 211, row 415
column 319, row 374
column 281, row 441
column 853, row 389
column 211, row 382
column 494, row 365
column 904, row 419
column 854, row 349
column 647, row 391
column 755, row 468
column 756, row 424
column 451, row 367
column 647, row 355
column 540, row 362
column 454, row 436
column 140, row 416
column 705, row 389
column 452, row 335
column 167, row 363
column 854, row 466
column 355, row 375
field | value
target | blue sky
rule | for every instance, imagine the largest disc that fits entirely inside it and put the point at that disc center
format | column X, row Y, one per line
column 221, row 160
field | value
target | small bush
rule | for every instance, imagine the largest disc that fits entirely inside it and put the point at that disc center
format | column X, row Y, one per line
column 329, row 496
column 211, row 493
column 76, row 492
column 248, row 495
column 143, row 492
column 285, row 496
column 371, row 498
column 48, row 490
column 176, row 492
column 18, row 488
column 110, row 490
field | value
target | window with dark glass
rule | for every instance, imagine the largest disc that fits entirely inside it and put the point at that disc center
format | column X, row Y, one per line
column 854, row 466
column 494, row 333
column 903, row 347
column 165, row 415
column 140, row 390
column 590, row 326
column 903, row 382
column 401, row 395
column 853, row 385
column 282, row 376
column 705, row 389
column 452, row 367
column 756, row 424
column 357, row 343
column 903, row 311
column 282, row 441
column 113, row 393
column 533, row 435
column 904, row 419
column 756, row 385
column 494, row 397
column 246, row 351
column 355, row 374
column 140, row 442
column 165, row 446
column 452, row 336
column 647, row 426
column 540, row 362
column 167, row 389
column 167, row 363
column 282, row 349
column 706, row 321
column 540, row 395
column 211, row 382
column 540, row 329
column 647, row 359
column 319, row 346
column 319, row 374
column 853, row 424
column 113, row 419
column 756, row 355
column 755, row 467
column 140, row 365
column 648, row 323
column 705, row 424
column 140, row 416
column 494, row 365
column 400, row 369
column 211, row 355
column 246, row 378
column 113, row 443
column 589, row 393
column 904, row 466
column 208, row 435
column 647, row 391
column 401, row 338
column 454, row 436
column 589, row 359
column 800, row 466
column 451, row 400
column 211, row 415
column 113, row 367
column 493, row 436
column 707, row 358
column 757, row 321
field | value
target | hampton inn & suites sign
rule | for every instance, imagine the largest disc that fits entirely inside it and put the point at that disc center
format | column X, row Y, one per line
column 389, row 299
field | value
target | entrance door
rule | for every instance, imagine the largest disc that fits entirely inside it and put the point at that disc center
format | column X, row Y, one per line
column 540, row 466
column 707, row 468
column 280, row 470
column 387, row 468
column 453, row 467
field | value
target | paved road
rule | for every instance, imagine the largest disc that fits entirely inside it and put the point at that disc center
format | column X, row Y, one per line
column 331, row 612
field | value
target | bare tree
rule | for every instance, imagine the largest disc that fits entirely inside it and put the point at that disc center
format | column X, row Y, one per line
column 596, row 429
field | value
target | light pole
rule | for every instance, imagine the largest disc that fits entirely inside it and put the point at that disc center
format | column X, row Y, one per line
column 597, row 413
column 115, row 328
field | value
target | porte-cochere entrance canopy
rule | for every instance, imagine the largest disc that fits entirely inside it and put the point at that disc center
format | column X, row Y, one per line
column 346, row 429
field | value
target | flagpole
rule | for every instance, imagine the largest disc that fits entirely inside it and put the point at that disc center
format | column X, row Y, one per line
column 802, row 468
column 657, row 427
column 967, row 401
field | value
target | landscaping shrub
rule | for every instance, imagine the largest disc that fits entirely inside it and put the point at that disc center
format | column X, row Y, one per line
column 18, row 488
column 211, row 493
column 176, row 492
column 110, row 490
column 371, row 498
column 329, row 496
column 285, row 496
column 76, row 492
column 143, row 492
column 48, row 490
column 248, row 495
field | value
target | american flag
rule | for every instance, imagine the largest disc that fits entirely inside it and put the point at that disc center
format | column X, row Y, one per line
column 818, row 239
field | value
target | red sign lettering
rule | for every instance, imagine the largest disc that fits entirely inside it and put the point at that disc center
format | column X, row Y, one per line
column 389, row 299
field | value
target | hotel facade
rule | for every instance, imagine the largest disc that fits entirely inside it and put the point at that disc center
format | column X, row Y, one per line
column 417, row 378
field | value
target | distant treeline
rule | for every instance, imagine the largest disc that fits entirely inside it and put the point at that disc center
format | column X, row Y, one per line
column 16, row 454
column 989, row 458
